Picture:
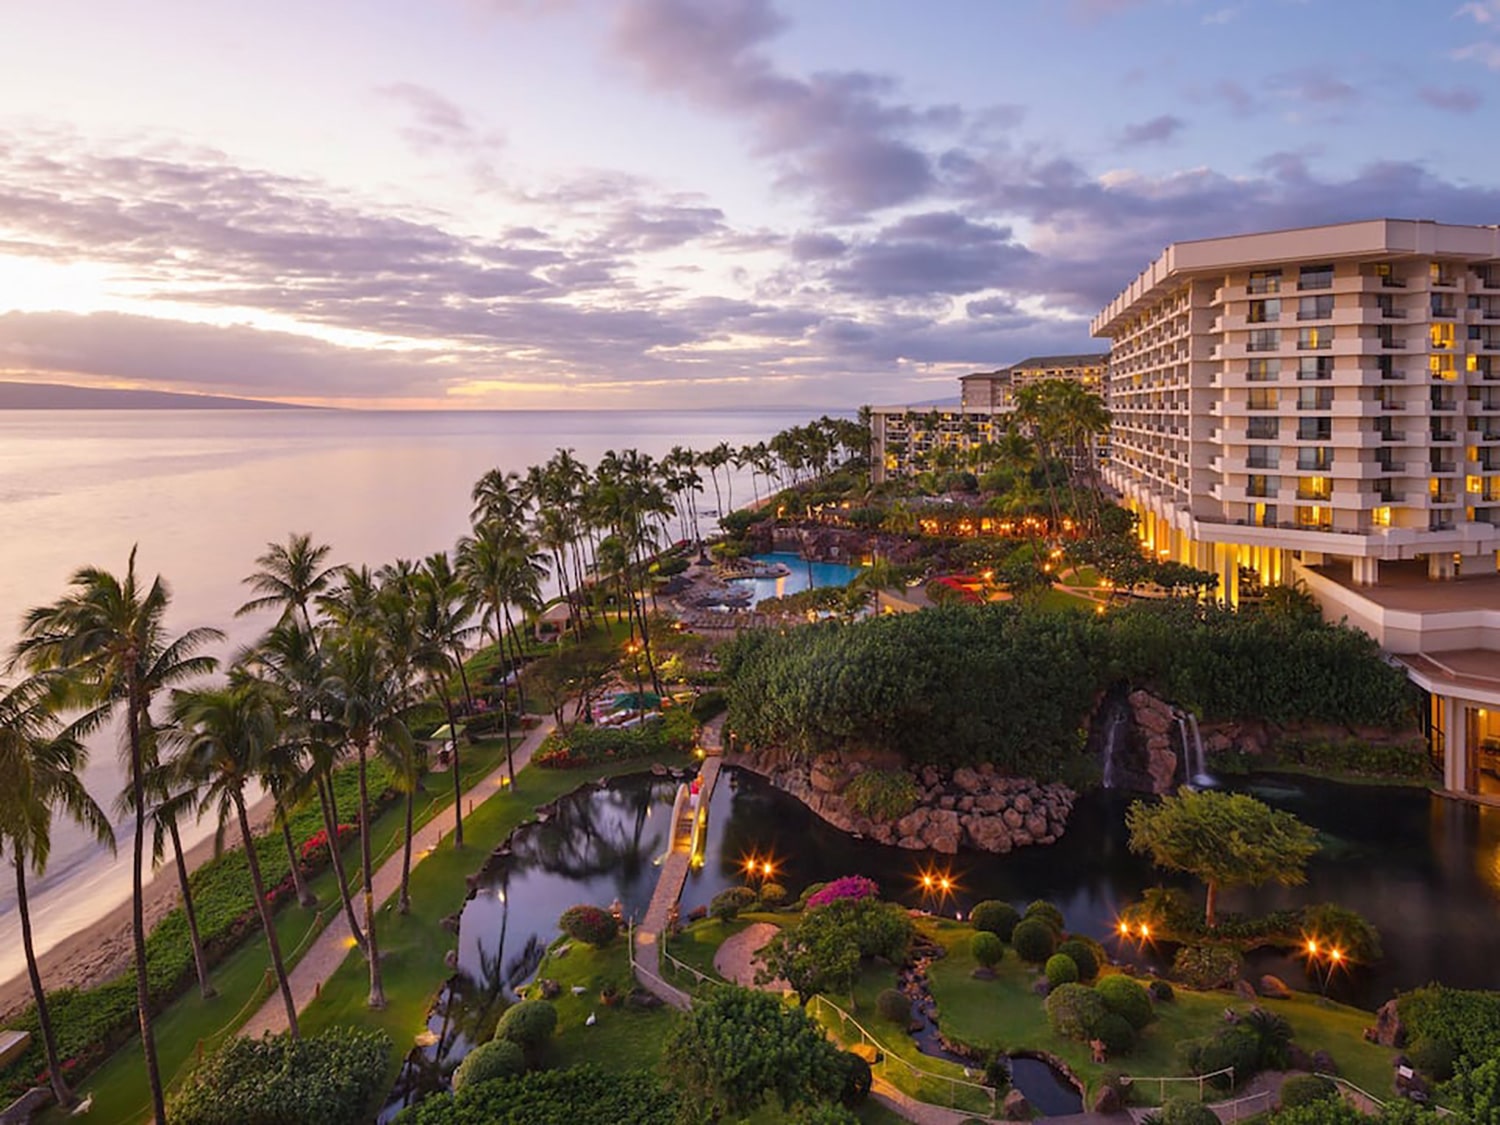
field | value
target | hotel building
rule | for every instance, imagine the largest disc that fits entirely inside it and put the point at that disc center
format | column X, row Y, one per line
column 906, row 439
column 1324, row 404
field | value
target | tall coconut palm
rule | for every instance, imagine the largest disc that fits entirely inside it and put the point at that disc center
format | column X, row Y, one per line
column 290, row 577
column 107, row 634
column 41, row 764
column 442, row 613
column 223, row 736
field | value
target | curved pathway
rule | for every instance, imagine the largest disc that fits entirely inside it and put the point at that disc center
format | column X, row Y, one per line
column 334, row 944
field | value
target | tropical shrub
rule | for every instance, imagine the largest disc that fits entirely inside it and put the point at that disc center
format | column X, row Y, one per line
column 1344, row 929
column 1074, row 1010
column 1045, row 912
column 1034, row 940
column 727, row 904
column 849, row 886
column 499, row 1058
column 882, row 794
column 553, row 1097
column 709, row 705
column 1468, row 1020
column 1180, row 1111
column 339, row 1073
column 1060, row 969
column 1355, row 756
column 857, row 1079
column 996, row 917
column 807, row 893
column 987, row 949
column 1126, row 998
column 1115, row 1032
column 1083, row 956
column 1207, row 966
column 1273, row 1033
column 826, row 1114
column 1236, row 1047
column 589, row 924
column 529, row 1024
column 1303, row 1088
column 583, row 745
column 894, row 1005
column 1432, row 1056
column 313, row 854
column 772, row 895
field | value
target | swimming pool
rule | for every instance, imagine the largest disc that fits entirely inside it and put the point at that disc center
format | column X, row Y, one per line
column 804, row 575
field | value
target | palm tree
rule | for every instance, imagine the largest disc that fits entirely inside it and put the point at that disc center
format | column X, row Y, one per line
column 40, row 765
column 290, row 576
column 107, row 635
column 223, row 736
column 442, row 612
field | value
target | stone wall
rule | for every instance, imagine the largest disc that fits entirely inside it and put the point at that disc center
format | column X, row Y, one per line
column 974, row 808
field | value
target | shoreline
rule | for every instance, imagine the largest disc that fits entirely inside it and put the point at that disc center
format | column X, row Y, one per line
column 102, row 950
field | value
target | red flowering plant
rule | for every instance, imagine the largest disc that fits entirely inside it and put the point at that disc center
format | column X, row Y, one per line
column 853, row 887
column 313, row 855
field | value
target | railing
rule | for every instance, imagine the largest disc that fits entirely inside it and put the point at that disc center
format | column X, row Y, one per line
column 1261, row 1099
column 925, row 1081
column 1162, row 1080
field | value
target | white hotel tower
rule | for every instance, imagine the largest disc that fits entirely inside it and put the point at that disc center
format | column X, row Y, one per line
column 1324, row 404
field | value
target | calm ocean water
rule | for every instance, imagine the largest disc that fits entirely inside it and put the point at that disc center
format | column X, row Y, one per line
column 203, row 492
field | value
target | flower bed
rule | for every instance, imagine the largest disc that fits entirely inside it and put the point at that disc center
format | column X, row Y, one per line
column 583, row 745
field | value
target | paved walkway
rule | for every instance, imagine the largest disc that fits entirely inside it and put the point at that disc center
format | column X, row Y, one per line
column 327, row 953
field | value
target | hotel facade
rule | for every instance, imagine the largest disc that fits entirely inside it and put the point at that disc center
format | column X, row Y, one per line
column 1323, row 405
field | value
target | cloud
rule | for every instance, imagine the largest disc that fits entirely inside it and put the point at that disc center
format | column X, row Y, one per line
column 1486, row 53
column 1240, row 101
column 1318, row 87
column 1156, row 131
column 927, row 255
column 1481, row 11
column 1457, row 99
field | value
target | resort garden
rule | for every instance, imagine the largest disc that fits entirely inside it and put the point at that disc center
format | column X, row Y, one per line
column 439, row 740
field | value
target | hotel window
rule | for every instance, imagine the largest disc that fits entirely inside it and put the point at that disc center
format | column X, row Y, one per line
column 1262, row 398
column 1441, row 273
column 1318, row 458
column 1380, row 517
column 1262, row 515
column 1263, row 340
column 1443, row 305
column 1315, row 277
column 1441, row 367
column 1263, row 371
column 1314, row 516
column 1315, row 398
column 1264, row 281
column 1314, row 429
column 1315, row 308
column 1314, row 368
column 1262, row 429
column 1265, row 312
column 1315, row 338
column 1314, row 488
column 1262, row 457
column 1260, row 485
column 1441, row 335
column 1387, row 274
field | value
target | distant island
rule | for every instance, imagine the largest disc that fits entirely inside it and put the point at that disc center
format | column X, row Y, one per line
column 58, row 396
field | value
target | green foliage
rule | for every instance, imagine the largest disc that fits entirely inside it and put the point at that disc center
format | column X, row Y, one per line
column 1045, row 912
column 882, row 794
column 727, row 904
column 1034, row 940
column 1233, row 1046
column 1189, row 832
column 997, row 917
column 821, row 952
column 1115, row 1031
column 709, row 705
column 825, row 1115
column 583, row 1095
column 1434, row 1057
column 338, row 1074
column 1084, row 957
column 1273, row 1033
column 772, row 895
column 1468, row 1020
column 1303, row 1088
column 589, row 924
column 585, row 745
column 857, row 1079
column 987, row 949
column 1183, row 1112
column 738, row 1049
column 1344, row 929
column 1060, row 969
column 499, row 1058
column 666, row 568
column 894, row 1005
column 529, row 1024
column 1477, row 1092
column 1074, row 1010
column 1357, row 757
column 1336, row 1111
column 1161, row 992
column 1127, row 998
column 1207, row 966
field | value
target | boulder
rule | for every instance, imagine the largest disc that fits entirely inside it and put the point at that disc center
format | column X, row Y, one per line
column 990, row 802
column 947, row 801
column 930, row 777
column 1036, row 826
column 966, row 779
column 1274, row 987
column 1107, row 1100
column 828, row 776
column 911, row 843
column 1161, row 766
column 1016, row 1107
column 988, row 833
column 1244, row 990
column 1389, row 1030
column 943, row 832
column 911, row 824
column 1013, row 819
column 1022, row 803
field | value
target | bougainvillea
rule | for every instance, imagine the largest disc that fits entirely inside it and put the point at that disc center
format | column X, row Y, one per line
column 850, row 886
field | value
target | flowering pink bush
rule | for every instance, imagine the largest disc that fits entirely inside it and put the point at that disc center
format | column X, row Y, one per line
column 849, row 886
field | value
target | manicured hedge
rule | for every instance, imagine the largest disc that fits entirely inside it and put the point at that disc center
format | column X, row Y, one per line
column 587, row 745
column 583, row 1095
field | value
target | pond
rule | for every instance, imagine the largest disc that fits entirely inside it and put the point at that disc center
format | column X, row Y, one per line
column 804, row 575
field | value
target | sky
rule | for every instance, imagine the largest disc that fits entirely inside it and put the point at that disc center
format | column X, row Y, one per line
column 600, row 204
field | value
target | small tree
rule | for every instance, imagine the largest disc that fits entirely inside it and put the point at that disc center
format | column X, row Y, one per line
column 987, row 949
column 1225, row 839
column 811, row 957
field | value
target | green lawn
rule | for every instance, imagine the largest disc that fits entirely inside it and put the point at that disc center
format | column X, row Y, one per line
column 621, row 1038
column 1005, row 1014
column 1054, row 598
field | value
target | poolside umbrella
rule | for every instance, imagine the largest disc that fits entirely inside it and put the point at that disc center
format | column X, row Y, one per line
column 637, row 701
column 444, row 733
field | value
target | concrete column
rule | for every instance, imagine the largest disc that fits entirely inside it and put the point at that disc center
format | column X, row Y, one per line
column 1440, row 566
column 1455, row 745
column 1366, row 571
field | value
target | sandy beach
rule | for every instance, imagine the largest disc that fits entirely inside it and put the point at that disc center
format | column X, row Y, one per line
column 102, row 950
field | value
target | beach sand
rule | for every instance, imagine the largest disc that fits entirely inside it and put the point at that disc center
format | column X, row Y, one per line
column 102, row 951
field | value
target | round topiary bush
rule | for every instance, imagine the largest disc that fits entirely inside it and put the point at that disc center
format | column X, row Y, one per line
column 589, row 924
column 1126, row 998
column 1074, row 1010
column 1083, row 956
column 1179, row 1112
column 772, row 895
column 1434, row 1057
column 528, row 1024
column 726, row 905
column 1161, row 992
column 895, row 1006
column 1034, row 941
column 1047, row 913
column 1115, row 1032
column 1061, row 969
column 1300, row 1089
column 499, row 1058
column 995, row 917
column 857, row 1080
column 987, row 948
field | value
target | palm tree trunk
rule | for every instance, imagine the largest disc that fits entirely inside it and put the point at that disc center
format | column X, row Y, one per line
column 458, row 803
column 200, row 962
column 335, row 856
column 60, row 1089
column 266, row 922
column 1210, row 914
column 372, row 950
column 463, row 679
column 305, row 897
column 405, row 904
column 133, row 708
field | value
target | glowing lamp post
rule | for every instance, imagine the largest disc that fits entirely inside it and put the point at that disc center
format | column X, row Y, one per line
column 1322, row 961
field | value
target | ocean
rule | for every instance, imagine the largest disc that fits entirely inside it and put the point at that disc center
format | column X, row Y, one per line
column 201, row 493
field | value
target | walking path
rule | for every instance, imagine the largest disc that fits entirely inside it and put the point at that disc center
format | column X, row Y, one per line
column 327, row 953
